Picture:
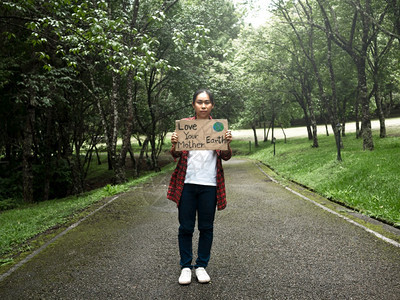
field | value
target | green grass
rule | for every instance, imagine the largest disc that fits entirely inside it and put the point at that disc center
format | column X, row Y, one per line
column 17, row 226
column 367, row 181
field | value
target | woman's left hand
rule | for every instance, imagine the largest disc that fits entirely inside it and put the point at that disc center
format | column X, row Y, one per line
column 228, row 136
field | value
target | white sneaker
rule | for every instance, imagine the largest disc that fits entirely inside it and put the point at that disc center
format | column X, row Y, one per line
column 202, row 275
column 186, row 276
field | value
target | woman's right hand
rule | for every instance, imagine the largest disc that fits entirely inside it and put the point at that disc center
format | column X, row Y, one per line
column 174, row 138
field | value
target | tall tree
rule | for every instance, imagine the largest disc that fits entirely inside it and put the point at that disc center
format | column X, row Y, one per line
column 356, row 45
column 300, row 16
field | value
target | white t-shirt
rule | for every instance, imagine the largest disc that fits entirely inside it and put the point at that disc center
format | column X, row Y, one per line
column 202, row 167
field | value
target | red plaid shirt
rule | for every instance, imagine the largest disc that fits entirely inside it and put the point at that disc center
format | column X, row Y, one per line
column 178, row 177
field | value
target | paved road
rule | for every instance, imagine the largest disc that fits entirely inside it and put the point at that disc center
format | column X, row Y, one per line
column 269, row 244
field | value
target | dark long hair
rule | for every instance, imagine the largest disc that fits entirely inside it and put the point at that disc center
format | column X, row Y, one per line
column 203, row 91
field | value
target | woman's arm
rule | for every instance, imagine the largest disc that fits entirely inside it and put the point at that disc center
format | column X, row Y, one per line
column 174, row 141
column 227, row 154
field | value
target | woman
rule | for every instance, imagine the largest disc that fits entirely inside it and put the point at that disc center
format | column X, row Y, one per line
column 197, row 186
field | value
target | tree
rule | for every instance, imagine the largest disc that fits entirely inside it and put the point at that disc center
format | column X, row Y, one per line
column 357, row 49
column 260, row 73
column 303, row 14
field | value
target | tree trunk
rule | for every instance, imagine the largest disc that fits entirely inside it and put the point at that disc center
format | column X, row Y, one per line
column 126, row 139
column 360, row 60
column 133, row 160
column 377, row 55
column 379, row 110
column 334, row 103
column 109, row 160
column 314, row 128
column 357, row 116
column 140, row 159
column 284, row 134
column 117, row 162
column 108, row 133
column 269, row 127
column 253, row 126
column 97, row 155
column 310, row 133
column 272, row 129
column 368, row 143
column 342, row 116
column 8, row 146
column 265, row 132
column 119, row 172
column 27, row 172
column 313, row 121
column 47, row 156
column 389, row 106
column 154, row 156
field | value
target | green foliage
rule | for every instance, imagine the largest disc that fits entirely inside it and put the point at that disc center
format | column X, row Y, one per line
column 10, row 189
column 10, row 203
column 81, row 71
column 259, row 63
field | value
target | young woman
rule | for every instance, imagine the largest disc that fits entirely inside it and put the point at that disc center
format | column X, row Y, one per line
column 197, row 186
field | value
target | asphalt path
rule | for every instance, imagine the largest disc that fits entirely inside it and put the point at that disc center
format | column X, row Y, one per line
column 269, row 244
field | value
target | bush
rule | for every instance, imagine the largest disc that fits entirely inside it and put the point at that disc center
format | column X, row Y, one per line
column 10, row 203
column 10, row 186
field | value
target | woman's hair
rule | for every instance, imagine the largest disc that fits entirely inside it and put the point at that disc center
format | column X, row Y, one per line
column 200, row 91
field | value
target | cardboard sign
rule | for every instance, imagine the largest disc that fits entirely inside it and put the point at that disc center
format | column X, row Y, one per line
column 201, row 134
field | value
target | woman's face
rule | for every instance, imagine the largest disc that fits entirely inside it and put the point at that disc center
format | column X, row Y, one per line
column 203, row 106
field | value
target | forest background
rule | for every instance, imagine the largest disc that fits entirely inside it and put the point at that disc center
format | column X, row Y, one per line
column 82, row 78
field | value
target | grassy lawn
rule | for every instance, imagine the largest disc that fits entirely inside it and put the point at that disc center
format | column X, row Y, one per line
column 365, row 180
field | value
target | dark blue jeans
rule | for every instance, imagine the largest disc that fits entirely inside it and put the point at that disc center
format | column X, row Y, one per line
column 201, row 199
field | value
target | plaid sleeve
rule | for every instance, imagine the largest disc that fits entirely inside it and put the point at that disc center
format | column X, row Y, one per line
column 226, row 155
column 175, row 154
column 178, row 179
column 221, row 192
